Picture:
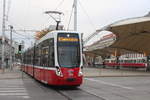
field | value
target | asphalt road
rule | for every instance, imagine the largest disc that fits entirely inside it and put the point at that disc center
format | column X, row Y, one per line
column 100, row 88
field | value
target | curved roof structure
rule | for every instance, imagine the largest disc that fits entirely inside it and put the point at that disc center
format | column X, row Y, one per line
column 131, row 35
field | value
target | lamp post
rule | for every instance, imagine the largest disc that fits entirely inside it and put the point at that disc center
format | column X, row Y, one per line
column 11, row 28
column 3, row 37
column 75, row 15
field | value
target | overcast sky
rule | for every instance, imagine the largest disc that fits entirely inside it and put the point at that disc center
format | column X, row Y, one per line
column 92, row 14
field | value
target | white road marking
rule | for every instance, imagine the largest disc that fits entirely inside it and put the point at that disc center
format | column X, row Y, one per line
column 13, row 88
column 13, row 94
column 111, row 84
column 25, row 97
column 12, row 91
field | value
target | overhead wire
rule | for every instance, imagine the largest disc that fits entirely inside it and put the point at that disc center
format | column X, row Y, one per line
column 23, row 30
column 16, row 34
column 90, row 21
column 70, row 18
column 8, row 9
column 22, row 35
column 62, row 1
column 24, row 38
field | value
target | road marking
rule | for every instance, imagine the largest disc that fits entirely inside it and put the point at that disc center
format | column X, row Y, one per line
column 13, row 88
column 13, row 94
column 12, row 91
column 111, row 84
column 25, row 97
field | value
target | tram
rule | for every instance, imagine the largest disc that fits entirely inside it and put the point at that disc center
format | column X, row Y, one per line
column 56, row 59
column 110, row 62
column 139, row 62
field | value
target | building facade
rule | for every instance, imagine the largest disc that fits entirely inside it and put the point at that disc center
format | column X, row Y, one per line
column 7, row 51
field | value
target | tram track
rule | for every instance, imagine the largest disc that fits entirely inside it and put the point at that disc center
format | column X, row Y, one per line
column 91, row 94
column 67, row 93
column 101, row 98
column 61, row 93
column 97, row 88
column 47, row 88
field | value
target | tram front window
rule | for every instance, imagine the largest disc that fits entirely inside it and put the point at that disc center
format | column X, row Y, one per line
column 68, row 56
column 69, row 53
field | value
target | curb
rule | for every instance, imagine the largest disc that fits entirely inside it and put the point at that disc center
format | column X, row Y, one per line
column 117, row 76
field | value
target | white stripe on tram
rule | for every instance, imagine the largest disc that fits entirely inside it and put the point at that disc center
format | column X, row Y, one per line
column 40, row 67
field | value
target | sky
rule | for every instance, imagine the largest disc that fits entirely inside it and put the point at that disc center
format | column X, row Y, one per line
column 92, row 14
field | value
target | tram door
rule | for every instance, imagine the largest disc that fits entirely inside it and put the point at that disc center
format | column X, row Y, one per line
column 45, row 51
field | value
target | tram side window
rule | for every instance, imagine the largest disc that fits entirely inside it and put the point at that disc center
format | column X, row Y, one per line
column 51, row 56
column 31, row 57
column 45, row 53
column 28, row 58
column 37, row 56
column 51, row 53
column 45, row 56
column 24, row 59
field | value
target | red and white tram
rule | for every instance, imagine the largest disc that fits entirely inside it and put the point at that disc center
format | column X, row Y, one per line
column 56, row 59
column 111, row 62
column 139, row 62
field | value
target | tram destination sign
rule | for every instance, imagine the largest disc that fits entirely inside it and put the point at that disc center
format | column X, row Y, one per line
column 68, row 39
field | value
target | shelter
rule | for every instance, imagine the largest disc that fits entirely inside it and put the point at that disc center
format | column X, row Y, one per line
column 132, row 34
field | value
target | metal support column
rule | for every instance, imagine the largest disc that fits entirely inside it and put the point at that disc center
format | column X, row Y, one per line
column 3, row 37
column 11, row 50
column 75, row 15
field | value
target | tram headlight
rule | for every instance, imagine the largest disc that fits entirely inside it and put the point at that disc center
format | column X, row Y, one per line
column 80, row 71
column 58, row 71
column 146, row 64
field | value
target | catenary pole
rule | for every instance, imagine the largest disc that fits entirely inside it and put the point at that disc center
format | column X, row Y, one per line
column 75, row 15
column 3, row 37
column 11, row 50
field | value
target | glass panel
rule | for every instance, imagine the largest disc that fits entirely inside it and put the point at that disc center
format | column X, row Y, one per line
column 68, row 56
column 68, row 50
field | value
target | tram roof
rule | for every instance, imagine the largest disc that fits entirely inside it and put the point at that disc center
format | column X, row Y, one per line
column 51, row 34
column 132, row 34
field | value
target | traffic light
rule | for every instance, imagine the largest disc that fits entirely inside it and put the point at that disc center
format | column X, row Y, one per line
column 20, row 49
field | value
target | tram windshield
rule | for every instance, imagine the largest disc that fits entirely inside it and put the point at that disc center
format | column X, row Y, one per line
column 68, row 50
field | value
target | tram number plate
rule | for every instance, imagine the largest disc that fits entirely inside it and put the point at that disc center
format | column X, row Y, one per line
column 71, row 79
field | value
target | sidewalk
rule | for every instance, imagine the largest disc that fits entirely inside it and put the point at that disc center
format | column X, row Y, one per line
column 110, row 72
column 10, row 74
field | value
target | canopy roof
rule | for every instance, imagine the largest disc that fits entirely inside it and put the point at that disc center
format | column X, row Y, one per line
column 131, row 35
